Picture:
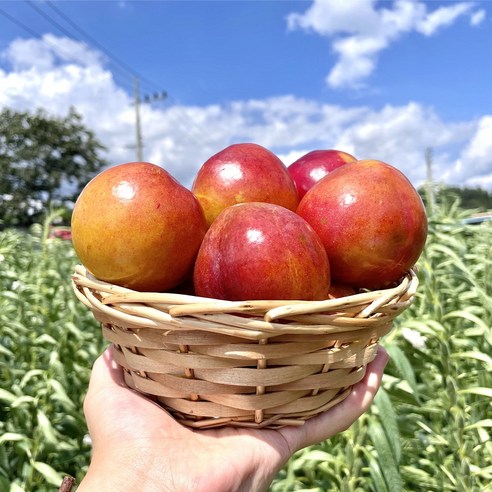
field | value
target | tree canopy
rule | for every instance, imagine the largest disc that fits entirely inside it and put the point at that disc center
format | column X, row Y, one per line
column 44, row 162
column 477, row 199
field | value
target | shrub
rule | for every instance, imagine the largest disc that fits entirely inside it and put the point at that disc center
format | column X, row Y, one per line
column 429, row 428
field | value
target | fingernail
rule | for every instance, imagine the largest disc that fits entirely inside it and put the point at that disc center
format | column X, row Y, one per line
column 384, row 352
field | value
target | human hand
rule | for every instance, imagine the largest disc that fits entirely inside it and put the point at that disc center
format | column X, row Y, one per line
column 139, row 446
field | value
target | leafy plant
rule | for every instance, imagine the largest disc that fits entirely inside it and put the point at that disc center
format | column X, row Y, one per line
column 48, row 344
column 429, row 428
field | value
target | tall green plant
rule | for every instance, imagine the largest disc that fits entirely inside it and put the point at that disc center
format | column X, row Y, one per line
column 446, row 430
column 47, row 345
column 429, row 428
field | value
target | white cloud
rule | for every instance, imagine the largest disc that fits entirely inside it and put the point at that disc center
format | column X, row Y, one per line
column 357, row 60
column 181, row 138
column 359, row 31
column 442, row 17
column 474, row 166
column 45, row 53
column 477, row 17
column 332, row 17
column 28, row 53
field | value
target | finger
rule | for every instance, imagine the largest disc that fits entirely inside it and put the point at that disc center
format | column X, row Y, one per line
column 105, row 374
column 110, row 403
column 107, row 389
column 341, row 416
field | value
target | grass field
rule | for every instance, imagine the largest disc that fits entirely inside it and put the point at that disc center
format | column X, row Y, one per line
column 428, row 430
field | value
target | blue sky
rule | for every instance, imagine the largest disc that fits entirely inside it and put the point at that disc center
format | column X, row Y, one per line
column 381, row 80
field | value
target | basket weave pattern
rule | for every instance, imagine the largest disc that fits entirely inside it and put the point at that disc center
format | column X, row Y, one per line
column 253, row 364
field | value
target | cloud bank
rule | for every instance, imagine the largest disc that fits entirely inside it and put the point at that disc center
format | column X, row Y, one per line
column 359, row 31
column 55, row 73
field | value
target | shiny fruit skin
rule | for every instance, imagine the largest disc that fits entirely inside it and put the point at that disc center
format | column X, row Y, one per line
column 261, row 251
column 340, row 290
column 134, row 225
column 371, row 221
column 243, row 172
column 314, row 165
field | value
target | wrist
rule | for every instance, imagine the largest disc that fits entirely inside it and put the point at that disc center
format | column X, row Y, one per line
column 141, row 466
column 100, row 477
column 144, row 472
column 112, row 471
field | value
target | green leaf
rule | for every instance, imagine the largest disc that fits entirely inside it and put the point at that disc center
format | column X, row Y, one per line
column 420, row 478
column 60, row 394
column 8, row 294
column 480, row 423
column 437, row 438
column 404, row 368
column 316, row 455
column 449, row 474
column 45, row 338
column 467, row 316
column 477, row 391
column 25, row 447
column 6, row 351
column 388, row 418
column 486, row 473
column 7, row 396
column 29, row 375
column 74, row 329
column 44, row 425
column 386, row 458
column 427, row 327
column 48, row 472
column 377, row 477
column 15, row 487
column 22, row 400
column 4, row 483
column 11, row 437
column 480, row 356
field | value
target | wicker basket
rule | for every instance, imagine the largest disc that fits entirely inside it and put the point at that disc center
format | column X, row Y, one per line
column 256, row 364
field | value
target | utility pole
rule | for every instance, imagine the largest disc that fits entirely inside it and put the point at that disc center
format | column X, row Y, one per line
column 157, row 96
column 430, row 181
column 136, row 94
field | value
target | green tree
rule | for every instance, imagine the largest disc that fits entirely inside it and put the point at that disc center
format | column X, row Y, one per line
column 44, row 162
column 473, row 198
column 469, row 198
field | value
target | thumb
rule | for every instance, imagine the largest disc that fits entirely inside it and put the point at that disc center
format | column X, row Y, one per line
column 106, row 375
column 111, row 408
column 108, row 397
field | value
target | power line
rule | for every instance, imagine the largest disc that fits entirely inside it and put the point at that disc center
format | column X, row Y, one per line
column 189, row 124
column 65, row 31
column 48, row 18
column 36, row 34
column 20, row 24
column 112, row 57
column 147, row 98
column 137, row 78
column 94, row 41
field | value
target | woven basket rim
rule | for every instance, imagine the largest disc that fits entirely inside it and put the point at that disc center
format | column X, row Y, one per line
column 179, row 305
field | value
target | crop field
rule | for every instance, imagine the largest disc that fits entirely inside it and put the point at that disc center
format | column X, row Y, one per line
column 428, row 430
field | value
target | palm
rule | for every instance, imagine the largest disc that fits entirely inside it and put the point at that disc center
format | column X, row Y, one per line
column 123, row 425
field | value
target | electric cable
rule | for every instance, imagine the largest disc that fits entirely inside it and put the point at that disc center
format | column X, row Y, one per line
column 190, row 127
column 100, row 46
column 51, row 43
column 190, row 124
